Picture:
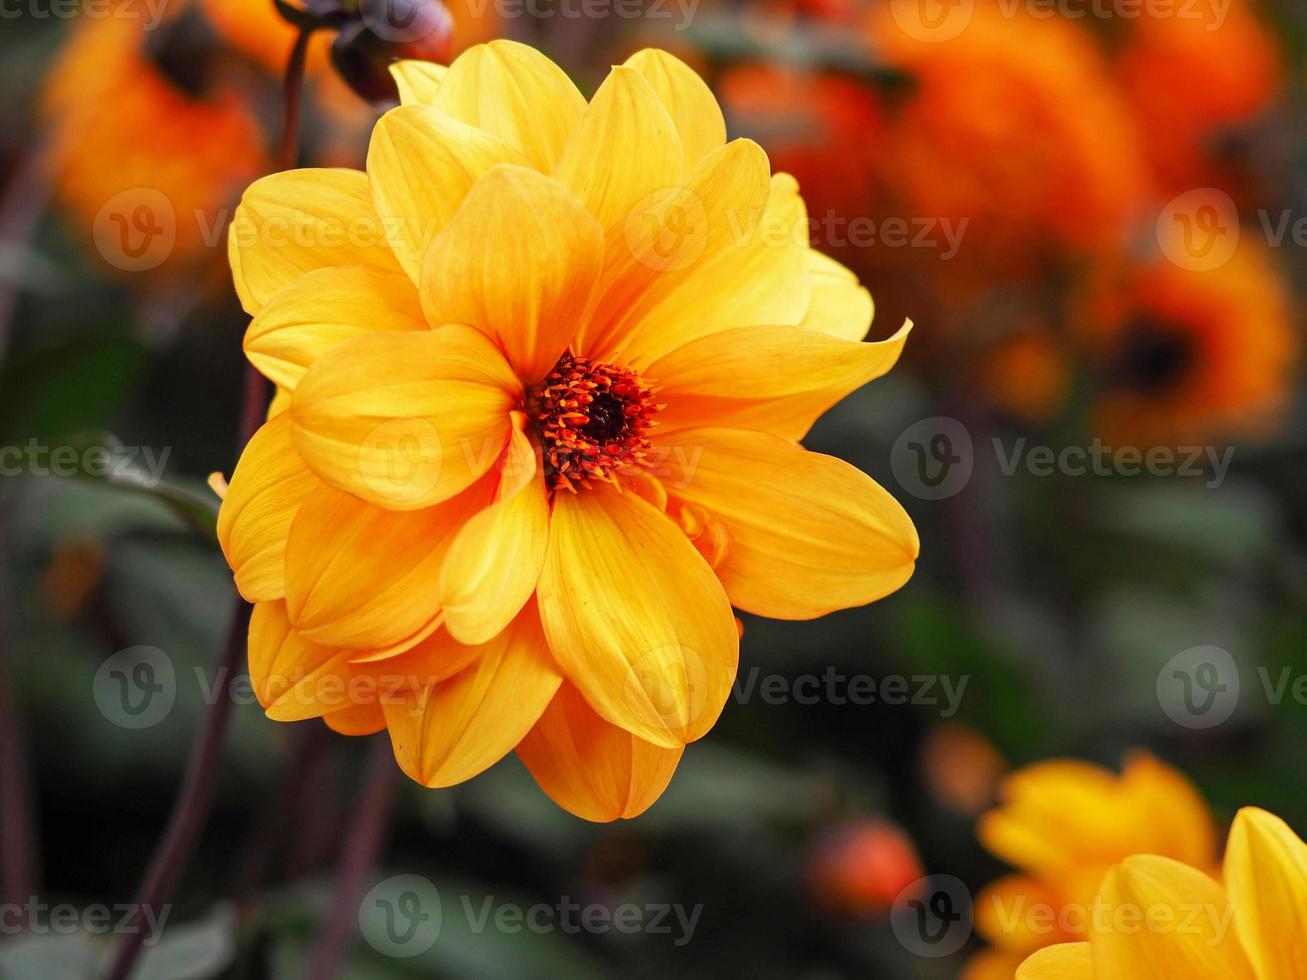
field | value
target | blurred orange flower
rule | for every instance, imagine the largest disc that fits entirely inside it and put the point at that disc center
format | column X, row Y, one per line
column 1184, row 356
column 549, row 362
column 859, row 869
column 1013, row 126
column 1063, row 824
column 825, row 129
column 961, row 768
column 1231, row 73
column 1028, row 376
column 145, row 144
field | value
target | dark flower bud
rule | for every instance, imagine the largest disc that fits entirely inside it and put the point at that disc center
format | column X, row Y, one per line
column 388, row 30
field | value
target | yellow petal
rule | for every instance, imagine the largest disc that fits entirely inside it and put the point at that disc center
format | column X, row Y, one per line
column 515, row 93
column 590, row 768
column 990, row 964
column 635, row 617
column 434, row 658
column 519, row 262
column 421, row 164
column 265, row 491
column 417, row 81
column 291, row 223
column 809, row 533
column 1266, row 874
column 688, row 101
column 293, row 678
column 760, row 277
column 494, row 562
column 840, row 306
column 362, row 577
column 1066, row 821
column 1069, row 961
column 1158, row 919
column 1177, row 821
column 624, row 149
column 772, row 379
column 361, row 719
column 279, row 404
column 1020, row 914
column 405, row 420
column 720, row 252
column 462, row 726
column 324, row 308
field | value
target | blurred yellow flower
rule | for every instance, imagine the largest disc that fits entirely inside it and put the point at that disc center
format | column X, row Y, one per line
column 547, row 364
column 1157, row 917
column 1063, row 824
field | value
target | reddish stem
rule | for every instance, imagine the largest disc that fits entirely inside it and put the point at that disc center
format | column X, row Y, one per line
column 191, row 811
column 362, row 846
column 18, row 851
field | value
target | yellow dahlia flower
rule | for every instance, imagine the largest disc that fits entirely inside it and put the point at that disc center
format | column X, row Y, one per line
column 544, row 369
column 1159, row 919
column 1063, row 824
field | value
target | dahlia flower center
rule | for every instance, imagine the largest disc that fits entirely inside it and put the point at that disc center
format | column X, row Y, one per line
column 1154, row 354
column 592, row 420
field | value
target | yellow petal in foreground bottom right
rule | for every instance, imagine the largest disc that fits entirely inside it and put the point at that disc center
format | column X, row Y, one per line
column 1158, row 919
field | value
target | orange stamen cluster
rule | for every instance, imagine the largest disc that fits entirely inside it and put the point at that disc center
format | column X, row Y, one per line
column 592, row 420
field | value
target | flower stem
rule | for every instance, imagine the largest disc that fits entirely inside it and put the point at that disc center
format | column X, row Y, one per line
column 362, row 846
column 192, row 808
column 292, row 87
column 21, row 208
column 193, row 804
column 18, row 852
